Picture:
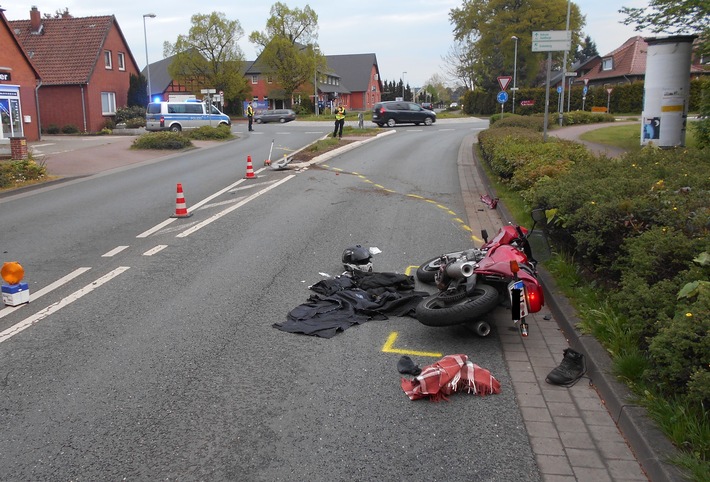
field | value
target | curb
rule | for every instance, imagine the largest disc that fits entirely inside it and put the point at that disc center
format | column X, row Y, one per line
column 336, row 152
column 651, row 447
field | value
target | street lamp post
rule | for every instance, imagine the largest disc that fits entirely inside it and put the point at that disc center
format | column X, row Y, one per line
column 147, row 64
column 515, row 70
column 403, row 73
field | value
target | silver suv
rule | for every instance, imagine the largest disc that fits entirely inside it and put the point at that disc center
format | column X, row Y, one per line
column 400, row 112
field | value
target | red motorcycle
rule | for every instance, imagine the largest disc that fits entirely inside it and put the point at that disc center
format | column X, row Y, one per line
column 474, row 282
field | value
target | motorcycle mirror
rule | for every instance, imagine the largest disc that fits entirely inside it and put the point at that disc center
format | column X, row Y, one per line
column 484, row 235
column 538, row 215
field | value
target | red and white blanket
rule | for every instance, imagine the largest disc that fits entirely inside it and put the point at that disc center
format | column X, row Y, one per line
column 453, row 373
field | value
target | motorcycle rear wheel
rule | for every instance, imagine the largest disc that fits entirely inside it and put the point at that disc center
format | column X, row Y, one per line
column 427, row 271
column 433, row 311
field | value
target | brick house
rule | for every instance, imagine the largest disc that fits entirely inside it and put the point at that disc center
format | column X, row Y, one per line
column 352, row 80
column 623, row 65
column 79, row 86
column 18, row 81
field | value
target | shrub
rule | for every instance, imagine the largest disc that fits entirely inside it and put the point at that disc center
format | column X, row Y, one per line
column 123, row 114
column 52, row 129
column 70, row 129
column 109, row 124
column 13, row 173
column 536, row 123
column 161, row 140
column 210, row 133
column 584, row 117
column 135, row 122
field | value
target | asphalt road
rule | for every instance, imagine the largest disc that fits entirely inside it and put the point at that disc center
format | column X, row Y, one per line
column 158, row 359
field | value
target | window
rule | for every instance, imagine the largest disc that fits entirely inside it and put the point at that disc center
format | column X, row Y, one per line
column 107, row 59
column 108, row 103
column 608, row 63
column 269, row 79
column 254, row 79
column 121, row 61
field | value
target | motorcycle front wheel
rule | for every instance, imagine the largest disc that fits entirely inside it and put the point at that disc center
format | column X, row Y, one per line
column 427, row 271
column 433, row 311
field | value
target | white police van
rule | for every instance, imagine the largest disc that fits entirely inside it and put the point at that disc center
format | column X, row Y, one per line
column 177, row 116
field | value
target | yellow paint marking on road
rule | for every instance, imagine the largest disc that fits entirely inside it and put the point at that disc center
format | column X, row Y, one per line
column 337, row 169
column 380, row 186
column 430, row 201
column 443, row 207
column 416, row 196
column 361, row 176
column 408, row 271
column 368, row 181
column 387, row 348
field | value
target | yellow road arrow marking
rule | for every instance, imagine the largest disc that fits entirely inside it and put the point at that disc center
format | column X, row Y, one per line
column 387, row 348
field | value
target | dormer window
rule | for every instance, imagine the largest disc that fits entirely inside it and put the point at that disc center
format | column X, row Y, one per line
column 608, row 63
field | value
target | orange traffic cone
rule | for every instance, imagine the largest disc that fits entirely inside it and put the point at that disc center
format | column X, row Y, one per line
column 250, row 169
column 180, row 206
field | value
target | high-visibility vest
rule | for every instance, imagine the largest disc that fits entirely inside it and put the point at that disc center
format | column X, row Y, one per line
column 340, row 114
column 250, row 111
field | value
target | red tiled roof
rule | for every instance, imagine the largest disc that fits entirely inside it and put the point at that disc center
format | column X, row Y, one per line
column 66, row 50
column 629, row 60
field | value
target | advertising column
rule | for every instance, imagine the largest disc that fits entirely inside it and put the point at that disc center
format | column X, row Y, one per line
column 666, row 91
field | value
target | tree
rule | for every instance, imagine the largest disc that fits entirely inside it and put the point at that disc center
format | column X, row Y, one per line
column 673, row 17
column 137, row 91
column 209, row 56
column 288, row 47
column 587, row 51
column 460, row 62
column 491, row 24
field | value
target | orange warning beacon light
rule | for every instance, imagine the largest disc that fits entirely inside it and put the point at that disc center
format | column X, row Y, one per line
column 12, row 272
column 15, row 292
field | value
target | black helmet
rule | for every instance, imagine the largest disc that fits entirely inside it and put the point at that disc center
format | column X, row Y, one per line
column 357, row 258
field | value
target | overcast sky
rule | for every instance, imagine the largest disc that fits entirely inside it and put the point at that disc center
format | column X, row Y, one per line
column 408, row 36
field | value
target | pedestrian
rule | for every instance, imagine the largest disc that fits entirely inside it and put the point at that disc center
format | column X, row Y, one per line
column 250, row 115
column 339, row 121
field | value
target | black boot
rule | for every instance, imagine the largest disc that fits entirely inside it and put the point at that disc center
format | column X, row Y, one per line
column 569, row 371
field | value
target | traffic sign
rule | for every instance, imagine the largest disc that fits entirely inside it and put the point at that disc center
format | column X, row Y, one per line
column 585, row 90
column 551, row 40
column 504, row 81
column 527, row 102
column 559, row 89
column 502, row 97
column 552, row 36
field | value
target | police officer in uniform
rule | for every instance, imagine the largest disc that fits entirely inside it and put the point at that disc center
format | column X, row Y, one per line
column 250, row 115
column 339, row 121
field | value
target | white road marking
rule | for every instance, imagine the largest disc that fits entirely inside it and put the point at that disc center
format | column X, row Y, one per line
column 220, row 214
column 114, row 251
column 47, row 289
column 42, row 314
column 42, row 145
column 155, row 250
column 157, row 227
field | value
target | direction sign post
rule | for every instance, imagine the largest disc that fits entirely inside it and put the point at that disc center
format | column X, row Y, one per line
column 551, row 40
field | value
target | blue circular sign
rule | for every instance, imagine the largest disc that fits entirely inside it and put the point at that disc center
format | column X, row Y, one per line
column 502, row 97
column 559, row 89
column 584, row 91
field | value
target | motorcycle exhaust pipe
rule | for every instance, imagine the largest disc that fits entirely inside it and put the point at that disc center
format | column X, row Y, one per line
column 460, row 269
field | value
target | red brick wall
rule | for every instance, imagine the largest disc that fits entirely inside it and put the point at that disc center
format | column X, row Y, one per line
column 61, row 105
column 23, row 75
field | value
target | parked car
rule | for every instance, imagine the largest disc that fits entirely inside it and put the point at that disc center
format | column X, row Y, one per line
column 274, row 115
column 454, row 105
column 428, row 105
column 399, row 112
column 177, row 116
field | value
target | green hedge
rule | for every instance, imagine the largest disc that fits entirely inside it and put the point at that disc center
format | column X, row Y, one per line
column 162, row 140
column 625, row 98
column 637, row 227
